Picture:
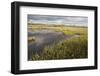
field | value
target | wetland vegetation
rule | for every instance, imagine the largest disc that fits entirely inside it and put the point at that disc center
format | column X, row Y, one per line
column 50, row 41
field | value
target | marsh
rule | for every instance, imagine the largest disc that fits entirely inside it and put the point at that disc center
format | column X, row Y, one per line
column 48, row 39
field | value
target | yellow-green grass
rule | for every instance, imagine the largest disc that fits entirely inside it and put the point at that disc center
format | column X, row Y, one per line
column 72, row 48
column 67, row 30
column 68, row 49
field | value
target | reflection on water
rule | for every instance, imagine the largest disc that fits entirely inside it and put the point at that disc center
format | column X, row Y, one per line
column 42, row 39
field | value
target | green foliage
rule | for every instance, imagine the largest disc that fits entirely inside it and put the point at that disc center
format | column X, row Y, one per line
column 67, row 49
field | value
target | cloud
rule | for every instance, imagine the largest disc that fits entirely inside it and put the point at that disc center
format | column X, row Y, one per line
column 57, row 19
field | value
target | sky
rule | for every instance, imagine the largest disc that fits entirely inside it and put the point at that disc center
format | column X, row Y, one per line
column 50, row 19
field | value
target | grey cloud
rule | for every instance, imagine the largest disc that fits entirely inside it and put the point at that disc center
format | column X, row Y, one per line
column 57, row 19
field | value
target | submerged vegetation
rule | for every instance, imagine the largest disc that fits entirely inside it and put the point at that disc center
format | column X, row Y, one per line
column 74, row 47
column 31, row 39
